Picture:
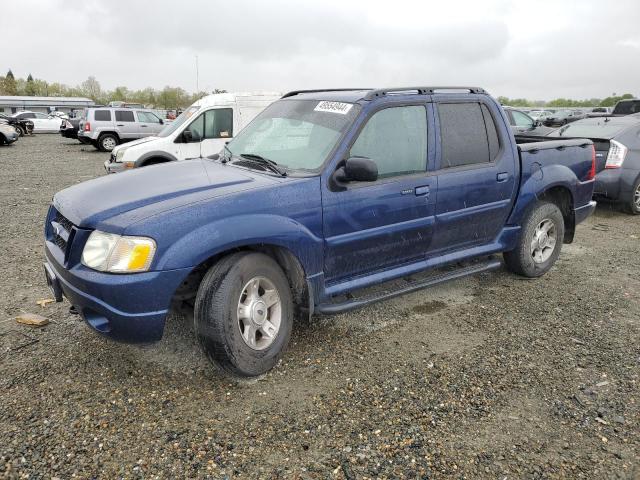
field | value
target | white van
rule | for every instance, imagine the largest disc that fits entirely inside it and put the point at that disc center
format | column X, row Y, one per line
column 200, row 131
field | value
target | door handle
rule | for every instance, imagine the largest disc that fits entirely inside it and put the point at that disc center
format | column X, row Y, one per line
column 423, row 190
column 143, row 126
column 502, row 176
column 120, row 125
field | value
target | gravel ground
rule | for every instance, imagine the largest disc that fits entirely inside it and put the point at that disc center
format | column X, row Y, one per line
column 489, row 377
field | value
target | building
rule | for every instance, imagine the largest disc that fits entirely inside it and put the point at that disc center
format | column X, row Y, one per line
column 12, row 104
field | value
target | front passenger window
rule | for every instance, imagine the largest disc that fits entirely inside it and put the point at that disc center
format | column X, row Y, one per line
column 197, row 128
column 396, row 140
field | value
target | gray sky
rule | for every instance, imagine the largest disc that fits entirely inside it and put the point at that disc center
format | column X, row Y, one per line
column 537, row 49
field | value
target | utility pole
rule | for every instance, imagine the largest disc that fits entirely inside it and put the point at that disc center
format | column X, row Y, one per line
column 197, row 76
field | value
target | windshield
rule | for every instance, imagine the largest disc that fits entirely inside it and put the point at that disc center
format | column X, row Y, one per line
column 590, row 130
column 178, row 122
column 296, row 134
column 627, row 108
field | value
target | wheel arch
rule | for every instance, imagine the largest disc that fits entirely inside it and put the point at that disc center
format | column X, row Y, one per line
column 292, row 267
column 561, row 196
column 156, row 156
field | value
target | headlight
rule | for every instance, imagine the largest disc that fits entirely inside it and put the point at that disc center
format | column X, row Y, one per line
column 119, row 154
column 108, row 252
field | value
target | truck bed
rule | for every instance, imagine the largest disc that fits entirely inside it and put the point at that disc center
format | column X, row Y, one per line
column 578, row 148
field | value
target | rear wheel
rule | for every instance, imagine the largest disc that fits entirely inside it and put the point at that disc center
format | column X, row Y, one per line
column 107, row 142
column 540, row 241
column 244, row 314
column 633, row 204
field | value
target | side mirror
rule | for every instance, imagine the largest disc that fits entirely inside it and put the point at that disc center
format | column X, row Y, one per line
column 161, row 121
column 189, row 137
column 357, row 169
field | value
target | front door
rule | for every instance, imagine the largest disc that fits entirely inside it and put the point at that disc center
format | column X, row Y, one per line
column 476, row 176
column 371, row 226
column 218, row 129
column 148, row 124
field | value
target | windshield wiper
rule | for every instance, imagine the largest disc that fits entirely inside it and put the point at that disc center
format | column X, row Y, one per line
column 270, row 164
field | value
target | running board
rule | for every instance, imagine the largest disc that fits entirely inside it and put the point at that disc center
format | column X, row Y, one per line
column 334, row 308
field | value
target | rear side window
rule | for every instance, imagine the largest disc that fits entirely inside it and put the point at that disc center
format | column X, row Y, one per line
column 218, row 123
column 492, row 133
column 468, row 134
column 124, row 116
column 396, row 139
column 102, row 115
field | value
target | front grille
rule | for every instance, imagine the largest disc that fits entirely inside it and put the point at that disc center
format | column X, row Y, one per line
column 61, row 229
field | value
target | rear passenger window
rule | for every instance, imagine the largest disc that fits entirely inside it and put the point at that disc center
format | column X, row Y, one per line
column 124, row 116
column 102, row 115
column 396, row 139
column 468, row 134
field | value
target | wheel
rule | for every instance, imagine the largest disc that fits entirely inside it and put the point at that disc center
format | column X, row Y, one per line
column 633, row 204
column 2, row 140
column 19, row 129
column 540, row 241
column 107, row 142
column 243, row 314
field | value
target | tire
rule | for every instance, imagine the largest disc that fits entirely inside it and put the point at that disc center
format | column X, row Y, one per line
column 632, row 205
column 107, row 142
column 3, row 140
column 224, row 292
column 20, row 130
column 535, row 262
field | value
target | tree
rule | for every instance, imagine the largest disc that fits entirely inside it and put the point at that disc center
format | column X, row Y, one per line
column 120, row 94
column 91, row 88
column 30, row 88
column 9, row 86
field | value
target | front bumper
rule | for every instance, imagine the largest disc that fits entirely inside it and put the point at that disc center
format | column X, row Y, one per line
column 128, row 308
column 114, row 167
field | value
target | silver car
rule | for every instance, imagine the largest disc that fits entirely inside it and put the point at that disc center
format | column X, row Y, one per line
column 106, row 127
column 8, row 134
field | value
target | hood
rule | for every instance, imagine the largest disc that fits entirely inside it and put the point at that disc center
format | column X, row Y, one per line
column 133, row 143
column 122, row 199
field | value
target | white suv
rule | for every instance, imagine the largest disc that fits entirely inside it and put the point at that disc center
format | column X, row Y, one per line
column 199, row 131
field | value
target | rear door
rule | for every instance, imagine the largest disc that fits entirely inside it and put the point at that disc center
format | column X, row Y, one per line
column 126, row 124
column 371, row 226
column 218, row 129
column 476, row 175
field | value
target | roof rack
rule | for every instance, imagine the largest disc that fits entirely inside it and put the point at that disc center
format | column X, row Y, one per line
column 419, row 91
column 297, row 92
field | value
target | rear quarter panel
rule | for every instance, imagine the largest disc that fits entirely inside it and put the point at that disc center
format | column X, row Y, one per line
column 550, row 164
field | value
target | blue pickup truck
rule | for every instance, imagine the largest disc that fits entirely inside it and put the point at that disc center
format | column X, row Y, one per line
column 325, row 193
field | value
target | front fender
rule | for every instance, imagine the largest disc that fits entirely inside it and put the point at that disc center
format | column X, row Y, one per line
column 539, row 180
column 241, row 231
